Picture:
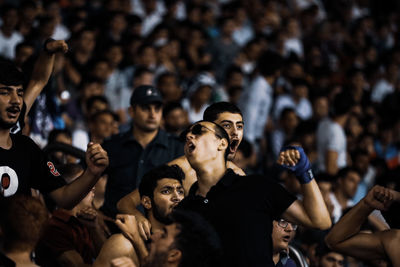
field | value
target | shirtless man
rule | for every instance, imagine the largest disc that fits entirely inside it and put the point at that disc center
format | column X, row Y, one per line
column 224, row 114
column 161, row 190
column 345, row 236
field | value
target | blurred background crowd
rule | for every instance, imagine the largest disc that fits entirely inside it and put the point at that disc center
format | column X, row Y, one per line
column 323, row 74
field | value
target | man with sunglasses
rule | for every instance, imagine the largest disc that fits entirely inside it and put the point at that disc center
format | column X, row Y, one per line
column 242, row 208
column 225, row 114
column 282, row 233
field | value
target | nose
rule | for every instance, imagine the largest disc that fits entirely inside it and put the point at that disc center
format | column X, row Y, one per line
column 289, row 228
column 15, row 98
column 176, row 197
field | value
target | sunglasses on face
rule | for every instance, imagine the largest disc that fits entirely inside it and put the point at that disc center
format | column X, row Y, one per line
column 197, row 130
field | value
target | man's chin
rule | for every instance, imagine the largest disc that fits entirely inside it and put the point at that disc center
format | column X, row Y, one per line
column 231, row 156
column 7, row 125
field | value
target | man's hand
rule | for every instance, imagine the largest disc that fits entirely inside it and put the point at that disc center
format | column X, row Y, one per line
column 129, row 226
column 294, row 159
column 144, row 227
column 55, row 46
column 379, row 198
column 96, row 159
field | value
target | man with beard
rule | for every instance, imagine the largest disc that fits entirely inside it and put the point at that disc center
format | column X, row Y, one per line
column 137, row 151
column 225, row 114
column 187, row 241
column 24, row 164
column 161, row 190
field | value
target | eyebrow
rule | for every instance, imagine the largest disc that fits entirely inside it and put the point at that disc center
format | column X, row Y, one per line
column 229, row 121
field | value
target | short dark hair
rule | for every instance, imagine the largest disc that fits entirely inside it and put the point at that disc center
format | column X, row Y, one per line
column 56, row 132
column 151, row 178
column 91, row 100
column 170, row 106
column 10, row 75
column 97, row 114
column 269, row 63
column 197, row 240
column 212, row 112
column 342, row 104
column 342, row 173
column 22, row 221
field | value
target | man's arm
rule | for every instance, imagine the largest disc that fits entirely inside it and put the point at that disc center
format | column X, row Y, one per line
column 331, row 166
column 312, row 211
column 42, row 71
column 70, row 195
column 345, row 237
column 116, row 246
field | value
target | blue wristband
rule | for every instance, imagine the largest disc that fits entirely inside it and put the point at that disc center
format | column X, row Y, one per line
column 302, row 169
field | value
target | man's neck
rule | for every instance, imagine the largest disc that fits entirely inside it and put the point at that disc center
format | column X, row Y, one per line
column 275, row 257
column 208, row 176
column 144, row 138
column 5, row 139
column 341, row 120
column 155, row 224
column 21, row 258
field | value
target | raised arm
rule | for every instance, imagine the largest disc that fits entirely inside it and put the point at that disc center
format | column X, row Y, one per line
column 312, row 211
column 42, row 71
column 345, row 236
column 70, row 195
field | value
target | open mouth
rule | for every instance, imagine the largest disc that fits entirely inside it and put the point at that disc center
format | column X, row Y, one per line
column 286, row 238
column 234, row 145
column 13, row 111
column 190, row 147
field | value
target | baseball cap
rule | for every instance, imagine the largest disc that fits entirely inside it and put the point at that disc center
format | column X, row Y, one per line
column 145, row 94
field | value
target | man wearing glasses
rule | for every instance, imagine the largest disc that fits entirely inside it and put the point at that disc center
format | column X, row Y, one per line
column 282, row 233
column 242, row 208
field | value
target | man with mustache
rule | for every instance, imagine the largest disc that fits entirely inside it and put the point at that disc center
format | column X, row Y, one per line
column 23, row 165
column 161, row 190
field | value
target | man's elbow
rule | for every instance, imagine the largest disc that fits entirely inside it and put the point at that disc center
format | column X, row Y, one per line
column 330, row 241
column 323, row 223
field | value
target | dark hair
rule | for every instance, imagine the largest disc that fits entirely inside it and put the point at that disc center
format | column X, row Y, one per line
column 197, row 240
column 89, row 80
column 69, row 171
column 342, row 173
column 164, row 75
column 91, row 100
column 56, row 132
column 342, row 104
column 170, row 106
column 9, row 74
column 212, row 112
column 151, row 178
column 97, row 114
column 140, row 70
column 269, row 63
column 22, row 220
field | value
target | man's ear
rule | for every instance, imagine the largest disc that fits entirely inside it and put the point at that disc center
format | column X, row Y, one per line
column 146, row 202
column 223, row 145
column 174, row 256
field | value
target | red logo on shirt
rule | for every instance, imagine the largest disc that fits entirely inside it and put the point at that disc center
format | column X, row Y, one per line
column 5, row 181
column 53, row 169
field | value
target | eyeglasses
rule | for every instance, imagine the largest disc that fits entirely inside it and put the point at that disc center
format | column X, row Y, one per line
column 198, row 131
column 282, row 223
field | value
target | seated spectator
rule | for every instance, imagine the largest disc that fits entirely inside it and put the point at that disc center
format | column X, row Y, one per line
column 327, row 257
column 21, row 222
column 101, row 125
column 282, row 233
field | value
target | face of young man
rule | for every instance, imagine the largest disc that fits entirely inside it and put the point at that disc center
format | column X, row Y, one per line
column 103, row 126
column 233, row 125
column 11, row 100
column 332, row 259
column 202, row 145
column 281, row 236
column 166, row 196
column 350, row 183
column 147, row 117
column 161, row 243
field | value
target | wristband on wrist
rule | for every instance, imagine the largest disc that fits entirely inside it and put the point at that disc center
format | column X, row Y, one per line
column 48, row 40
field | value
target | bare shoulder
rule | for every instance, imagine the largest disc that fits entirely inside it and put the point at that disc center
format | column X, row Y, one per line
column 391, row 240
column 235, row 168
column 116, row 246
column 181, row 162
column 190, row 174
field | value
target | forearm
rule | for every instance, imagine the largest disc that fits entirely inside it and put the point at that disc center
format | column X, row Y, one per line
column 349, row 224
column 314, row 206
column 70, row 195
column 128, row 204
column 40, row 76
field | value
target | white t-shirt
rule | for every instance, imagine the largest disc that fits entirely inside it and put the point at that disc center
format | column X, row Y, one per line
column 8, row 44
column 331, row 136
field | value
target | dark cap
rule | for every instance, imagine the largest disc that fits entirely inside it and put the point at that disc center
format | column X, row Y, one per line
column 145, row 94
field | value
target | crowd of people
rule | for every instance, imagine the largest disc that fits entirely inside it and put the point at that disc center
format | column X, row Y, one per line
column 199, row 133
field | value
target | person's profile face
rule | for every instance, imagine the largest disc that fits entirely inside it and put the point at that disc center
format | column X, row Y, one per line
column 233, row 125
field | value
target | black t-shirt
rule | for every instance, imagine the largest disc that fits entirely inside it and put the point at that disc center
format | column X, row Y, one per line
column 5, row 261
column 241, row 208
column 25, row 166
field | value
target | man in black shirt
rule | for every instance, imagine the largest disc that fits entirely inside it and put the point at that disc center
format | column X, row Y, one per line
column 242, row 208
column 23, row 165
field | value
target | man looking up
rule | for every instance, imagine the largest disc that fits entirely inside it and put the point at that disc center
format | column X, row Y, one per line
column 245, row 227
column 225, row 114
column 139, row 150
column 160, row 190
column 24, row 165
